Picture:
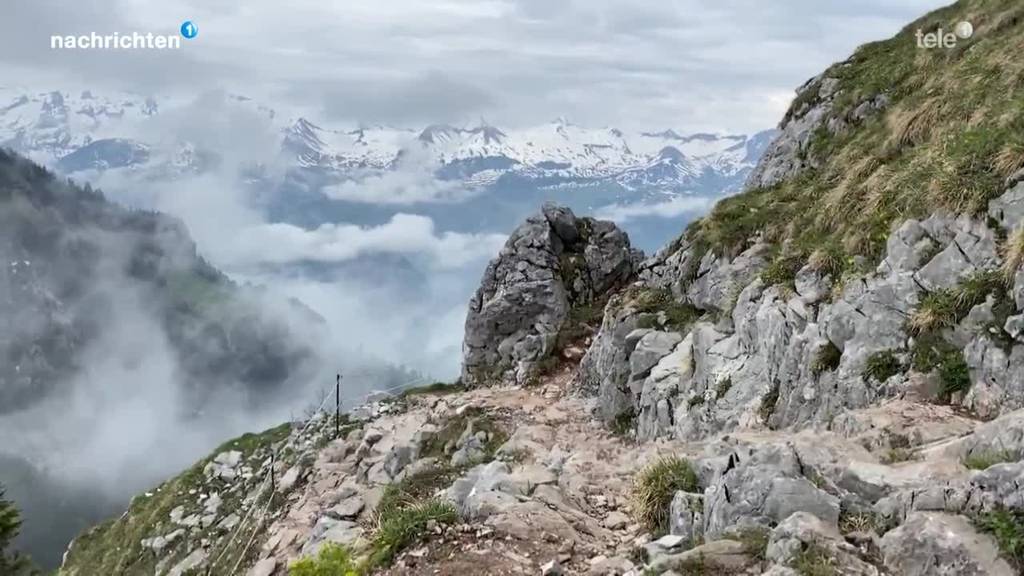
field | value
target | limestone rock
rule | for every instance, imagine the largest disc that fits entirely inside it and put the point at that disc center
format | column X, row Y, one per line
column 686, row 517
column 551, row 263
column 936, row 544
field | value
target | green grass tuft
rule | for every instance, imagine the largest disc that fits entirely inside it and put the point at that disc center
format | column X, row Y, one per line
column 404, row 526
column 813, row 560
column 882, row 365
column 827, row 358
column 1007, row 527
column 768, row 403
column 985, row 460
column 624, row 423
column 654, row 488
column 946, row 308
column 332, row 560
column 782, row 271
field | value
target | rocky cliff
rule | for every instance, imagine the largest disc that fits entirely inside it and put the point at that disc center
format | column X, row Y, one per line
column 821, row 377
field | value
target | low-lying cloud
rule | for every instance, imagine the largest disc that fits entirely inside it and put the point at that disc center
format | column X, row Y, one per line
column 406, row 234
column 671, row 208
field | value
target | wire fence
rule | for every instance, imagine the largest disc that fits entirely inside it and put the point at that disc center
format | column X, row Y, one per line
column 268, row 475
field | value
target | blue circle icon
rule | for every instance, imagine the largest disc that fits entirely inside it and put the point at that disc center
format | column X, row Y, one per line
column 189, row 30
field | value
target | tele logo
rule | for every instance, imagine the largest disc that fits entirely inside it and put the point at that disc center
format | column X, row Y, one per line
column 944, row 39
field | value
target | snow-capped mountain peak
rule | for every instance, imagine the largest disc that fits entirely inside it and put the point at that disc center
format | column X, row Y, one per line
column 83, row 130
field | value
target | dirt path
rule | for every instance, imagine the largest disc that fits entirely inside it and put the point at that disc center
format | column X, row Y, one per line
column 575, row 510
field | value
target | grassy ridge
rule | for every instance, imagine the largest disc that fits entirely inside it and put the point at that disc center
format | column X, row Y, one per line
column 951, row 135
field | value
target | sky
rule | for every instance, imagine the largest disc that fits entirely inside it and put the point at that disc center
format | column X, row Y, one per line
column 722, row 66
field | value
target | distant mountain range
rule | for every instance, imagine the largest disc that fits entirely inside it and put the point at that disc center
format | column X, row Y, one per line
column 82, row 131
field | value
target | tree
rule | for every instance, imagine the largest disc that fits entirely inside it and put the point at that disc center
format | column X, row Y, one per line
column 11, row 563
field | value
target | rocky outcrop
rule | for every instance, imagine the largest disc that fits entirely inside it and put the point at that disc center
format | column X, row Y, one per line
column 942, row 544
column 791, row 151
column 801, row 355
column 553, row 264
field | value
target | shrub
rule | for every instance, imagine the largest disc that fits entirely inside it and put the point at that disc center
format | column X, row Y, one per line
column 1007, row 527
column 882, row 365
column 826, row 359
column 332, row 560
column 654, row 488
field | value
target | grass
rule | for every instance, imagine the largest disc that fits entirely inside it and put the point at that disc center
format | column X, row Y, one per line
column 198, row 292
column 1013, row 255
column 415, row 488
column 946, row 308
column 652, row 302
column 931, row 352
column 723, row 387
column 897, row 455
column 435, row 389
column 403, row 526
column 883, row 365
column 1007, row 527
column 952, row 132
column 826, row 359
column 440, row 444
column 114, row 547
column 403, row 514
column 332, row 560
column 654, row 488
column 754, row 540
column 985, row 460
column 768, row 403
column 850, row 522
column 814, row 560
column 624, row 423
column 782, row 271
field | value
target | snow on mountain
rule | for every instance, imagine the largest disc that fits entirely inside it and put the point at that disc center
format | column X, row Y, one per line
column 75, row 131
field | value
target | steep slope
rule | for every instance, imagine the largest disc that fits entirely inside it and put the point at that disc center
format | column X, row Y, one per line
column 74, row 262
column 117, row 339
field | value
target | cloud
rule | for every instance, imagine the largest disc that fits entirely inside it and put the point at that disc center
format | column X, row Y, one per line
column 671, row 208
column 433, row 97
column 412, row 180
column 640, row 64
column 408, row 234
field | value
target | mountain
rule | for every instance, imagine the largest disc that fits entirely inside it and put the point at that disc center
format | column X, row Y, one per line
column 74, row 262
column 82, row 130
column 821, row 376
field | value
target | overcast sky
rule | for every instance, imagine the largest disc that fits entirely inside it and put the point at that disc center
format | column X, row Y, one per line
column 722, row 65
